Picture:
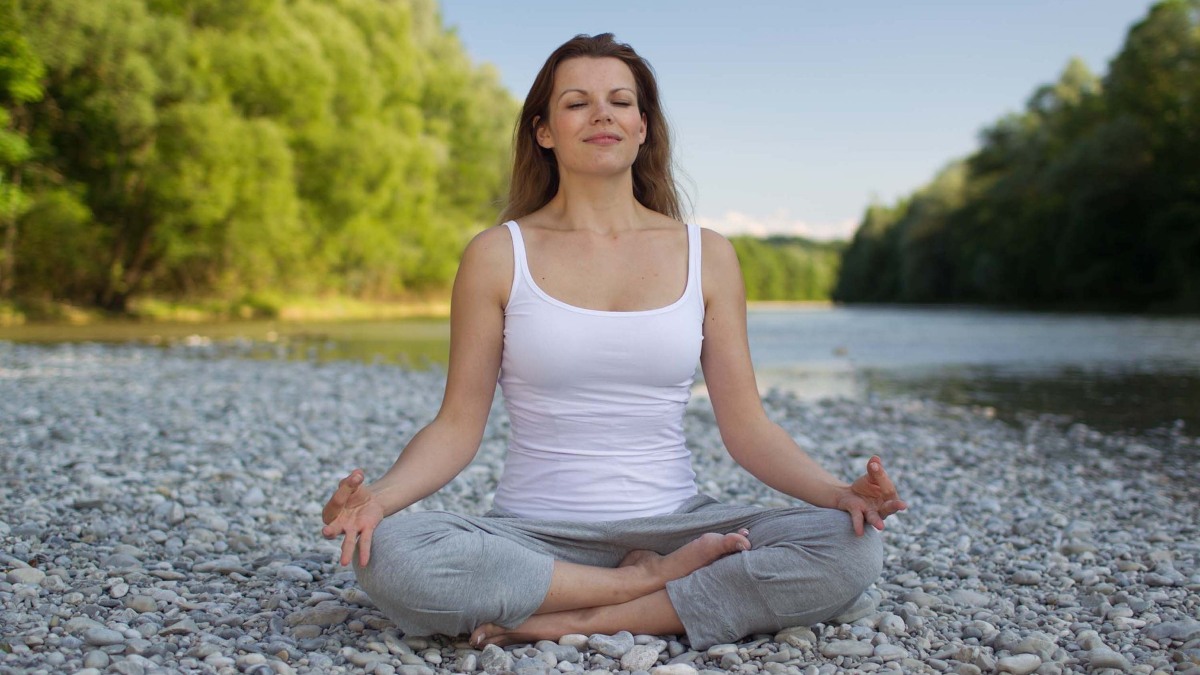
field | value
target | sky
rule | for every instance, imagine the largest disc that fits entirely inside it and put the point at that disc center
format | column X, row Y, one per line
column 792, row 117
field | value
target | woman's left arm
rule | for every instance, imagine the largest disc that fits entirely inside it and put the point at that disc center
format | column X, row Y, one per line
column 755, row 442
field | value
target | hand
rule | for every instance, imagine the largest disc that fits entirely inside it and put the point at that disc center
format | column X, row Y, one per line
column 871, row 498
column 353, row 511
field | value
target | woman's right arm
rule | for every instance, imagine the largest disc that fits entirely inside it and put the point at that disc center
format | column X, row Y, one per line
column 442, row 449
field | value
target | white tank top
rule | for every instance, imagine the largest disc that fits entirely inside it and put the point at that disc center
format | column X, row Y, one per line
column 596, row 400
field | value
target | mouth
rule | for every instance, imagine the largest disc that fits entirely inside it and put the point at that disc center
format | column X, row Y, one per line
column 603, row 139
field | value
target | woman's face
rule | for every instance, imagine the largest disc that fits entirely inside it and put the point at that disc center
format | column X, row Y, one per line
column 594, row 123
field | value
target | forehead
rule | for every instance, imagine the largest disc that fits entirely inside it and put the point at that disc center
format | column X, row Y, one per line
column 593, row 74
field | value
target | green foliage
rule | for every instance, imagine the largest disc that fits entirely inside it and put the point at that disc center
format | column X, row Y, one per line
column 1090, row 197
column 787, row 268
column 243, row 148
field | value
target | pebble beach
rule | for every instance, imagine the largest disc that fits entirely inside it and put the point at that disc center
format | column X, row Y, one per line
column 160, row 513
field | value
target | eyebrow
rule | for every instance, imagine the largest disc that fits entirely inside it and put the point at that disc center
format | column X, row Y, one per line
column 584, row 92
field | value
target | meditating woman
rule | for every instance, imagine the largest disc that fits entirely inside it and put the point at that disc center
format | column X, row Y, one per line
column 591, row 304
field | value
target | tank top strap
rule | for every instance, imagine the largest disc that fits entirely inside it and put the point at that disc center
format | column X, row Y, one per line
column 695, row 269
column 520, row 262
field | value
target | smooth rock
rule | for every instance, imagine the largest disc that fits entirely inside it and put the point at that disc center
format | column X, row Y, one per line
column 674, row 669
column 1021, row 664
column 101, row 637
column 318, row 616
column 847, row 648
column 26, row 575
column 495, row 660
column 888, row 652
column 574, row 640
column 640, row 657
column 1103, row 657
column 294, row 573
column 613, row 646
column 801, row 637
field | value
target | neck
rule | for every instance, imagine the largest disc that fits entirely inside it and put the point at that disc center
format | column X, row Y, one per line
column 602, row 204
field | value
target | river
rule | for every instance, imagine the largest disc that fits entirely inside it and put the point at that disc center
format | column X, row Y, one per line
column 1113, row 372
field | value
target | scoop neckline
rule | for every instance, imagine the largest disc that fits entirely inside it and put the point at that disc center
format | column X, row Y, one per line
column 528, row 276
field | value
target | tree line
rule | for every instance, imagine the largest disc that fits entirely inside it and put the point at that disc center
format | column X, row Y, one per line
column 1089, row 197
column 225, row 148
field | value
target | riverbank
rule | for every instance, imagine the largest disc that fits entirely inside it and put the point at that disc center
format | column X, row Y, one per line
column 51, row 315
column 162, row 507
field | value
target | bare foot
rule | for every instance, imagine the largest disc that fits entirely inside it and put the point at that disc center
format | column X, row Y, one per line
column 700, row 552
column 536, row 628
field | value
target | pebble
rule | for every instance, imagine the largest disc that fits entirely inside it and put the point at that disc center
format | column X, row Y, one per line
column 640, row 657
column 170, row 523
column 294, row 573
column 495, row 660
column 847, row 648
column 102, row 637
column 26, row 575
column 674, row 669
column 1022, row 664
column 613, row 646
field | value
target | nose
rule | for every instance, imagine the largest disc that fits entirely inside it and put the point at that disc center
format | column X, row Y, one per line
column 603, row 113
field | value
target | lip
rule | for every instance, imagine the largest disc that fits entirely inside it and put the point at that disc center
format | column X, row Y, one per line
column 603, row 139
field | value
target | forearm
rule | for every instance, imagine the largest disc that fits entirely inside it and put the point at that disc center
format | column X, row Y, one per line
column 434, row 456
column 773, row 457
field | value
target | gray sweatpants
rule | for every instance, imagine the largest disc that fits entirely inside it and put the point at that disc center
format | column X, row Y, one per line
column 438, row 572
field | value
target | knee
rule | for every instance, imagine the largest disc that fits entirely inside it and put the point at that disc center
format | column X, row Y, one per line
column 420, row 570
column 820, row 568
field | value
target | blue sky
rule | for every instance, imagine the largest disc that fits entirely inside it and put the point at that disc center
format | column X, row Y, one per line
column 792, row 116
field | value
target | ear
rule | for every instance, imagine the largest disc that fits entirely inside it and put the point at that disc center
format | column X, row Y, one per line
column 541, row 133
column 642, row 131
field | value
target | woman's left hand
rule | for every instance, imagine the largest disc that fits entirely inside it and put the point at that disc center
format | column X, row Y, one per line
column 871, row 498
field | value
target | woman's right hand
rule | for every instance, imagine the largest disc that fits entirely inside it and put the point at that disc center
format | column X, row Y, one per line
column 353, row 512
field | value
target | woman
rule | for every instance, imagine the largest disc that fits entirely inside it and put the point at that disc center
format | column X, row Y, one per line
column 592, row 304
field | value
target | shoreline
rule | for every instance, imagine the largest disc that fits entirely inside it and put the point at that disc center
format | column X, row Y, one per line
column 169, row 501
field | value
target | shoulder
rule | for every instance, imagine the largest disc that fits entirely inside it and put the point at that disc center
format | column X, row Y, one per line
column 487, row 261
column 491, row 246
column 718, row 253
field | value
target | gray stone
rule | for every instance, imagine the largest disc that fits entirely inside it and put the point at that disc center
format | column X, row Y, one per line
column 26, row 575
column 640, row 657
column 565, row 653
column 96, row 659
column 889, row 652
column 101, row 637
column 318, row 616
column 495, row 660
column 1103, row 657
column 141, row 604
column 674, row 669
column 613, row 646
column 1037, row 643
column 294, row 573
column 1027, row 578
column 574, row 640
column 730, row 661
column 1174, row 630
column 968, row 598
column 717, row 651
column 1021, row 664
column 798, row 636
column 847, row 648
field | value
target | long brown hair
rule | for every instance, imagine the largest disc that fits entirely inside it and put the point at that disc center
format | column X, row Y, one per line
column 534, row 180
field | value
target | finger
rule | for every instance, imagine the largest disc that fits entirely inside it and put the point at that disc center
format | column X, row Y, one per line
column 893, row 506
column 348, row 547
column 329, row 531
column 364, row 546
column 875, row 521
column 341, row 495
column 856, row 517
column 879, row 476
